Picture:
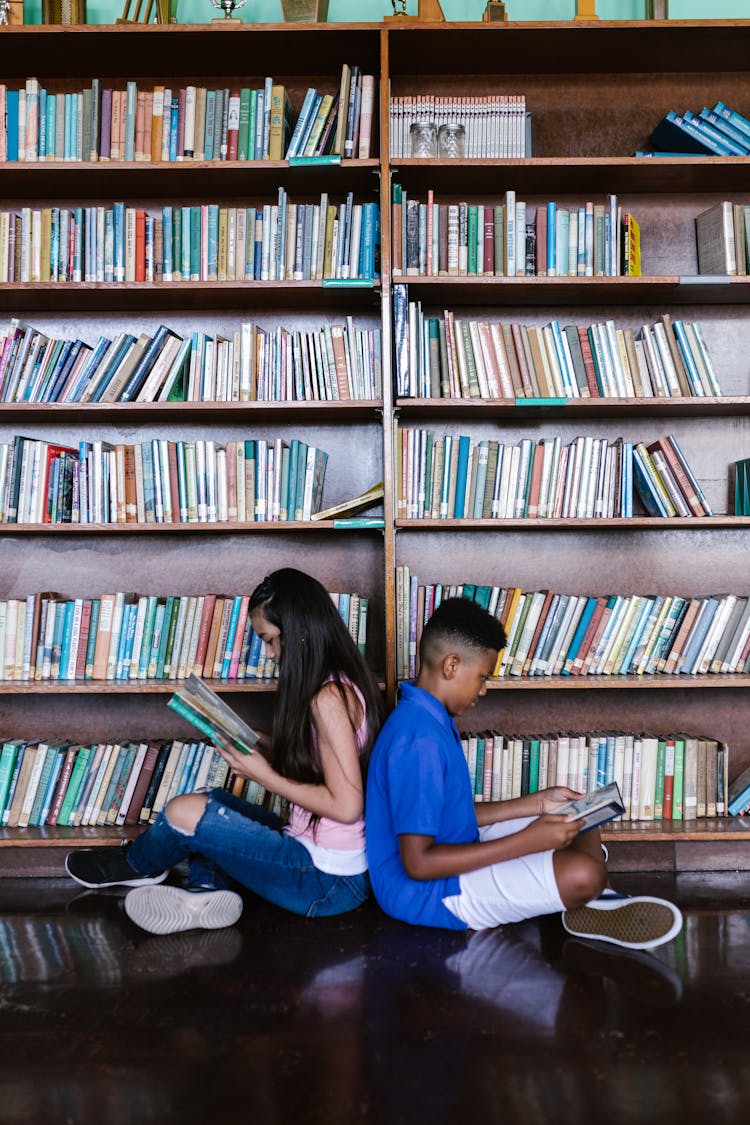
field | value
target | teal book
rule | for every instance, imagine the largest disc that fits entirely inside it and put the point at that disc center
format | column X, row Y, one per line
column 464, row 445
column 8, row 759
column 91, row 644
column 186, row 773
column 51, row 755
column 148, row 632
column 57, row 766
column 479, row 768
column 534, row 750
column 661, row 752
column 171, row 609
column 130, row 120
column 242, row 139
column 67, row 635
column 77, row 777
column 226, row 656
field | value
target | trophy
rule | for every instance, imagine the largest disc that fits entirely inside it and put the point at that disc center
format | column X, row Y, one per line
column 227, row 7
column 429, row 11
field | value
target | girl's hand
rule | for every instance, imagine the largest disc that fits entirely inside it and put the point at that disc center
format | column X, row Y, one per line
column 551, row 799
column 549, row 833
column 253, row 766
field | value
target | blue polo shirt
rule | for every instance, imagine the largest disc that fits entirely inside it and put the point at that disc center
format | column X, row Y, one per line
column 417, row 783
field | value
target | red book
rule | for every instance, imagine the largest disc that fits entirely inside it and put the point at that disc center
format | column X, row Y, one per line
column 591, row 631
column 233, row 127
column 588, row 656
column 489, row 242
column 588, row 362
column 141, row 785
column 668, row 780
column 206, row 616
column 84, row 640
column 537, row 461
column 140, row 246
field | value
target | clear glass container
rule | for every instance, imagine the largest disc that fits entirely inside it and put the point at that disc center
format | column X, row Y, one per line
column 423, row 138
column 451, row 142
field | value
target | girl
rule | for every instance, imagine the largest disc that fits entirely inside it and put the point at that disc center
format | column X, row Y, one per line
column 328, row 711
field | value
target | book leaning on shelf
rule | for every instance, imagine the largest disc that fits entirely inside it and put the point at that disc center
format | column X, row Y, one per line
column 558, row 634
column 160, row 481
column 447, row 476
column 330, row 363
column 720, row 131
column 285, row 241
column 454, row 357
column 133, row 122
column 128, row 637
column 120, row 783
column 510, row 238
column 660, row 777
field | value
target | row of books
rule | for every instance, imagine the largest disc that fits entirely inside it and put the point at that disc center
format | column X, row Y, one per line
column 674, row 777
column 205, row 242
column 161, row 123
column 332, row 362
column 510, row 238
column 496, row 125
column 159, row 481
column 452, row 357
column 446, row 476
column 723, row 237
column 720, row 131
column 116, row 783
column 127, row 636
column 553, row 634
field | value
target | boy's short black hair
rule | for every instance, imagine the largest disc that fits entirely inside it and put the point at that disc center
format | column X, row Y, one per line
column 459, row 621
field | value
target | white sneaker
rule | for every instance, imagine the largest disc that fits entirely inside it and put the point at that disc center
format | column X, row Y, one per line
column 168, row 910
column 640, row 922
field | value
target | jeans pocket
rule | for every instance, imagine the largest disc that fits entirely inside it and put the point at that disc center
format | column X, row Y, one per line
column 345, row 893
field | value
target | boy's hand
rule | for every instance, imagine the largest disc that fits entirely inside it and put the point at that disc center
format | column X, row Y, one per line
column 549, row 833
column 551, row 799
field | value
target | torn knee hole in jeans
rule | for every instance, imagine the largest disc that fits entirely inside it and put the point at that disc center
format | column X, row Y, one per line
column 185, row 831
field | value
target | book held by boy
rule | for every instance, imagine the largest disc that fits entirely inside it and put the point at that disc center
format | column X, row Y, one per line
column 595, row 808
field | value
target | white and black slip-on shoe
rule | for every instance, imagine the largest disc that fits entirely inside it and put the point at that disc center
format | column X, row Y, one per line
column 640, row 922
column 107, row 867
column 169, row 910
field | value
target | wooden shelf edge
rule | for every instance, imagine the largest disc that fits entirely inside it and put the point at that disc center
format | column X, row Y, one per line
column 228, row 528
column 127, row 687
column 649, row 523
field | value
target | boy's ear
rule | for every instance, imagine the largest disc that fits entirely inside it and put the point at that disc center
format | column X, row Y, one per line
column 449, row 665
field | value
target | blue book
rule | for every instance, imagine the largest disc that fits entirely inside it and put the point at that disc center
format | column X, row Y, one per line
column 185, row 242
column 645, row 487
column 253, row 657
column 345, row 602
column 575, row 643
column 65, row 641
column 464, row 445
column 108, row 368
column 736, row 120
column 11, row 112
column 725, row 129
column 184, row 765
column 640, row 624
column 195, row 765
column 713, row 134
column 13, row 781
column 98, row 352
column 145, row 363
column 118, row 249
column 49, row 792
column 551, row 239
column 697, row 635
column 226, row 656
column 675, row 133
column 303, row 124
column 174, row 122
column 42, row 140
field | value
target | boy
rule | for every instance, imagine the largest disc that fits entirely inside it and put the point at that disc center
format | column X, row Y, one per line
column 436, row 859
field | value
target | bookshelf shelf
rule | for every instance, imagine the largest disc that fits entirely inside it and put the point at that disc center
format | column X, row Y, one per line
column 236, row 528
column 342, row 412
column 619, row 683
column 641, row 523
column 592, row 408
column 188, row 180
column 196, row 296
column 579, row 174
column 139, row 687
column 587, row 291
column 720, row 828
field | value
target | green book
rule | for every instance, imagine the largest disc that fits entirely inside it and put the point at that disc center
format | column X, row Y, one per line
column 148, row 632
column 252, row 126
column 678, row 792
column 208, row 713
column 167, row 635
column 284, row 502
column 83, row 757
column 471, row 367
column 661, row 753
column 49, row 761
column 195, row 244
column 472, row 240
column 479, row 768
column 91, row 646
column 534, row 747
column 130, row 112
column 7, row 764
column 243, row 137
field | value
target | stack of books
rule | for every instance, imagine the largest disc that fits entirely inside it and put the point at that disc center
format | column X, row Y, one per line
column 336, row 361
column 496, row 126
column 452, row 357
column 513, row 239
column 100, row 123
column 720, row 131
column 673, row 777
column 204, row 242
column 552, row 634
column 445, row 476
column 132, row 637
column 160, row 481
column 117, row 783
column 723, row 238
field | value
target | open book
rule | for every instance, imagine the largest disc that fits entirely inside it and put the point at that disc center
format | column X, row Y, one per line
column 196, row 702
column 595, row 808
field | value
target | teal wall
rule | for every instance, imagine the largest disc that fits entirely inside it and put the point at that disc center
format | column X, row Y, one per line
column 269, row 11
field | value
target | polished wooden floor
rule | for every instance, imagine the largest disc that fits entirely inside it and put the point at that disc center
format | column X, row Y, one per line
column 361, row 1019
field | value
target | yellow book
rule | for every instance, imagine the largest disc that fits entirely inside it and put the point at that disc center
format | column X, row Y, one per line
column 511, row 608
column 316, row 132
column 44, row 274
column 276, row 135
column 328, row 252
column 222, row 255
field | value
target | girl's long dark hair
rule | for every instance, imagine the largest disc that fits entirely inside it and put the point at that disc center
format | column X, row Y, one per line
column 315, row 645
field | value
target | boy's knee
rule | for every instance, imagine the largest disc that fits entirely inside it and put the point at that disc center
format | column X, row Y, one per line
column 580, row 878
column 183, row 813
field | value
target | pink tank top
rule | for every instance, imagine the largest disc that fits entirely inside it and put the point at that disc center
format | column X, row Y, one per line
column 331, row 835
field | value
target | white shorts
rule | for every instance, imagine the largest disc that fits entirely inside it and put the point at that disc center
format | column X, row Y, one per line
column 508, row 891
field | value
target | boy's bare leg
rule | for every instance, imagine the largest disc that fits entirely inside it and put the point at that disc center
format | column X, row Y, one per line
column 580, row 869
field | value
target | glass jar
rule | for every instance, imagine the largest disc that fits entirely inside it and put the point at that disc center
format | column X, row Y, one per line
column 451, row 141
column 423, row 139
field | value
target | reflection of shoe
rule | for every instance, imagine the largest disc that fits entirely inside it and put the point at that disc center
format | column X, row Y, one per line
column 639, row 974
column 107, row 867
column 168, row 910
column 641, row 922
column 169, row 955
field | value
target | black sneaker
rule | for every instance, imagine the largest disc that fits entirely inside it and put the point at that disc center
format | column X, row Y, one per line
column 107, row 867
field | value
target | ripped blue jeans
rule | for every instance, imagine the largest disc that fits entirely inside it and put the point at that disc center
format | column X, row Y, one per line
column 245, row 843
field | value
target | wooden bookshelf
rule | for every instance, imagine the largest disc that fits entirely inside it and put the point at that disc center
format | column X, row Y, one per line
column 595, row 92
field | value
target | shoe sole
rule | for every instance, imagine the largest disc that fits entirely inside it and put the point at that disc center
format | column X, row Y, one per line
column 139, row 881
column 169, row 910
column 636, row 923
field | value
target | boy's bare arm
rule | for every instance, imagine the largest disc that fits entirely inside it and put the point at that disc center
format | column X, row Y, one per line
column 491, row 812
column 424, row 859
